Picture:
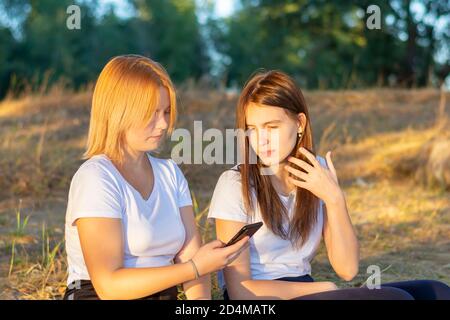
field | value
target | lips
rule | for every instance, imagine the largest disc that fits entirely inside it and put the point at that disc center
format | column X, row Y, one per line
column 267, row 153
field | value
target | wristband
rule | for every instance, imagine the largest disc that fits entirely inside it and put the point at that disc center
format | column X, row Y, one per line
column 197, row 275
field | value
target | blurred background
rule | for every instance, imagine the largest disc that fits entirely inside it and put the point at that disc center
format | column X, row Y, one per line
column 324, row 44
column 378, row 98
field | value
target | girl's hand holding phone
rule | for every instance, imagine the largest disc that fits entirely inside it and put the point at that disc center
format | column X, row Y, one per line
column 214, row 256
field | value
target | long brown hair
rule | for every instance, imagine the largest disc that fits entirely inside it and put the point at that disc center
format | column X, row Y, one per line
column 275, row 88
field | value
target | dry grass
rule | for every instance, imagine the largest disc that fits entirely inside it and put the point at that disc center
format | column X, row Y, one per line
column 378, row 137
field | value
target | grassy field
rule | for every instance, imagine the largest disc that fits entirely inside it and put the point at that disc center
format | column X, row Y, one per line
column 380, row 139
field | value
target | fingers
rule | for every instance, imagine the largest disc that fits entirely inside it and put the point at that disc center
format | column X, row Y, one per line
column 298, row 183
column 235, row 247
column 310, row 157
column 330, row 163
column 302, row 164
column 298, row 173
column 216, row 244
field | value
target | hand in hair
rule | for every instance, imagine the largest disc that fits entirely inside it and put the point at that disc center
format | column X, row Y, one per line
column 320, row 181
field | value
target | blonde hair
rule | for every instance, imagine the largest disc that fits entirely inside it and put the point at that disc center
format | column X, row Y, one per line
column 125, row 96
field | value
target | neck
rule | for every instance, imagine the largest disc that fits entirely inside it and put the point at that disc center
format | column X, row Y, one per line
column 279, row 178
column 133, row 160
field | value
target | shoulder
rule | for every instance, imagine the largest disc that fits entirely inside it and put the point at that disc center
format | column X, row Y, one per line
column 227, row 201
column 94, row 176
column 162, row 163
column 231, row 176
column 229, row 183
column 94, row 181
column 97, row 167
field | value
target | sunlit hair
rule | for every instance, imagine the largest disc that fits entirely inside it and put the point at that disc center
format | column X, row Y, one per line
column 275, row 88
column 126, row 96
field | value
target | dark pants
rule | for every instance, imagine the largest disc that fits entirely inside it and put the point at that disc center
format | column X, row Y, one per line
column 85, row 291
column 403, row 290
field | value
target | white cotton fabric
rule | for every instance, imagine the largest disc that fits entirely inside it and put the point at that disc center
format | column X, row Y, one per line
column 271, row 257
column 153, row 229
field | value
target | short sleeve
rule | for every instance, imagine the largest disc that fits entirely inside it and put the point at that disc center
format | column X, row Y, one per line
column 183, row 193
column 93, row 193
column 227, row 200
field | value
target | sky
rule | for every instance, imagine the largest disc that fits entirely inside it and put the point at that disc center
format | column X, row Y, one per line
column 224, row 8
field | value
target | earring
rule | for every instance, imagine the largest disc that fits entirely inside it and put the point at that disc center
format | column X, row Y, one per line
column 299, row 139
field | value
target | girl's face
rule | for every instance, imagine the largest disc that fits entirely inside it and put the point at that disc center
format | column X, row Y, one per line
column 272, row 133
column 149, row 137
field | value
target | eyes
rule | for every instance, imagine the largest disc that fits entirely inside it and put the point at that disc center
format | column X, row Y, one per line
column 271, row 127
column 166, row 111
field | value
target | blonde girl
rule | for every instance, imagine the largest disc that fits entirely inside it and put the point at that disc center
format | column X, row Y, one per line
column 130, row 230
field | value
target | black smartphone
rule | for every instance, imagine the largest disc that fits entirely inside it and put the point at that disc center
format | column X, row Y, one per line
column 247, row 230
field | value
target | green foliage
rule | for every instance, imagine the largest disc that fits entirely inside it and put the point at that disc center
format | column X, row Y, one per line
column 326, row 44
column 323, row 44
column 44, row 50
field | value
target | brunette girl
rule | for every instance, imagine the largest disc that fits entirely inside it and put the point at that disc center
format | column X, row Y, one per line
column 296, row 194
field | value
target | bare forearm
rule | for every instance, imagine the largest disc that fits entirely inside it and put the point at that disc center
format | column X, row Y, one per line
column 344, row 249
column 134, row 283
column 199, row 289
column 275, row 289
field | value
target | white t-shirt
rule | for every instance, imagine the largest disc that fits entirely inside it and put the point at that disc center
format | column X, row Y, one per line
column 271, row 257
column 153, row 229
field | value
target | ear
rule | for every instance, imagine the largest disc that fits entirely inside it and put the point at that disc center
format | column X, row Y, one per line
column 301, row 121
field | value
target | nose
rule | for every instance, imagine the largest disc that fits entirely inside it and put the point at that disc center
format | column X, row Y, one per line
column 162, row 123
column 264, row 137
